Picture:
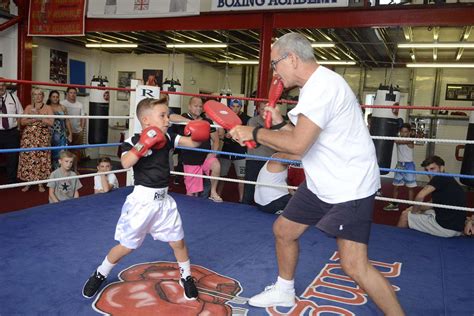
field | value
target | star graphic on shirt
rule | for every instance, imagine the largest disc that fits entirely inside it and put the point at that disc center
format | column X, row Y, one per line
column 64, row 186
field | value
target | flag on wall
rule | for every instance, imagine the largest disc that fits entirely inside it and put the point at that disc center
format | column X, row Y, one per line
column 126, row 9
column 56, row 18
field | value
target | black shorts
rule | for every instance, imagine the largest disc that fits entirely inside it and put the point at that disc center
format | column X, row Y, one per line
column 277, row 206
column 348, row 220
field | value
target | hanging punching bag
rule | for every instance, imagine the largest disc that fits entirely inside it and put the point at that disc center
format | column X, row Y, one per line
column 174, row 100
column 99, row 105
column 467, row 166
column 385, row 122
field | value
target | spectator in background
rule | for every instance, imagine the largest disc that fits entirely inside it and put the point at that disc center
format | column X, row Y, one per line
column 252, row 166
column 36, row 165
column 105, row 182
column 437, row 221
column 9, row 133
column 232, row 146
column 62, row 129
column 78, row 125
column 404, row 162
column 64, row 189
column 201, row 162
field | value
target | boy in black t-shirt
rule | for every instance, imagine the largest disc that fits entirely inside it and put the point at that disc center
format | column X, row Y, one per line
column 149, row 209
column 437, row 221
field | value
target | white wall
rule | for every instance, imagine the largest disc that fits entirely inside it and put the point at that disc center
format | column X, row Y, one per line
column 9, row 47
column 195, row 76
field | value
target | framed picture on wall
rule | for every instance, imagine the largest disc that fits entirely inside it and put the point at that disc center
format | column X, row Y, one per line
column 124, row 78
column 153, row 77
column 460, row 92
column 57, row 66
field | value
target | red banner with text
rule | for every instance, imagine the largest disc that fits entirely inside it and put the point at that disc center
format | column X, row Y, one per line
column 56, row 17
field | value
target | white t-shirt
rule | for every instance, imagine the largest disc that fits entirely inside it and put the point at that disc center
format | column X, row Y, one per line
column 340, row 165
column 405, row 153
column 265, row 195
column 13, row 106
column 75, row 108
column 111, row 178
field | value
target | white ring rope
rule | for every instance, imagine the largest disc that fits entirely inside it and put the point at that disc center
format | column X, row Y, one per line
column 66, row 116
column 433, row 140
column 14, row 185
column 22, row 184
column 452, row 207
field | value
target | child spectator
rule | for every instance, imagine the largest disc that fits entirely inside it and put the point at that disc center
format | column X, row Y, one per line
column 64, row 189
column 105, row 182
column 405, row 162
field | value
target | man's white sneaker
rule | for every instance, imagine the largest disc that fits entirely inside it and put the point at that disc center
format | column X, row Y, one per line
column 273, row 296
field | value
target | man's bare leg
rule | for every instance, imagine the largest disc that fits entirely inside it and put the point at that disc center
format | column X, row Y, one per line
column 355, row 263
column 287, row 234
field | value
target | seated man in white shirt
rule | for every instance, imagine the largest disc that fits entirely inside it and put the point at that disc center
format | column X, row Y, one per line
column 272, row 199
column 105, row 182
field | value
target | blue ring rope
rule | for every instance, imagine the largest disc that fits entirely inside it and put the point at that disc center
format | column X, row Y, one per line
column 293, row 162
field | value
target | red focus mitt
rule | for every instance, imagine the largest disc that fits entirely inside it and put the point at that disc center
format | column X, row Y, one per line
column 151, row 137
column 199, row 130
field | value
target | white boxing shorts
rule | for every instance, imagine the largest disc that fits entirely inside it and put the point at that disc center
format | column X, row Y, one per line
column 148, row 211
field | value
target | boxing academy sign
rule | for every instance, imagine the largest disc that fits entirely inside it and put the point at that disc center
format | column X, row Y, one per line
column 237, row 5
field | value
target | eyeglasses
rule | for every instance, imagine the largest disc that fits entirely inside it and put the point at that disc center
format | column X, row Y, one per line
column 274, row 63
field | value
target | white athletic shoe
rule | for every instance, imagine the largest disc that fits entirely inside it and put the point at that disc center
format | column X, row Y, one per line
column 273, row 296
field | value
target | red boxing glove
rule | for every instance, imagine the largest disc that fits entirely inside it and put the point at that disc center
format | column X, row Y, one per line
column 199, row 130
column 151, row 137
column 276, row 88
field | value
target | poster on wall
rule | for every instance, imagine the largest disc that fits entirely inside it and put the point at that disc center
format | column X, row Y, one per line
column 127, row 9
column 124, row 79
column 153, row 77
column 57, row 66
column 5, row 6
column 223, row 5
column 460, row 92
column 56, row 18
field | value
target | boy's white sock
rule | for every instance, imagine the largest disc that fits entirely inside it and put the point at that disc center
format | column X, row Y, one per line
column 185, row 269
column 105, row 267
column 285, row 285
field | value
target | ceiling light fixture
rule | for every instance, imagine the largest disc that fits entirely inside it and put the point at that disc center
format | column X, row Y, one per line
column 440, row 65
column 436, row 45
column 323, row 45
column 124, row 45
column 238, row 62
column 337, row 62
column 202, row 45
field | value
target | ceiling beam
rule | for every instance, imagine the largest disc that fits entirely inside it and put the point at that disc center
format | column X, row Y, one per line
column 410, row 15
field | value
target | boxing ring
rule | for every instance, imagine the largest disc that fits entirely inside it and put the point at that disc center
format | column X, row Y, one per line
column 48, row 252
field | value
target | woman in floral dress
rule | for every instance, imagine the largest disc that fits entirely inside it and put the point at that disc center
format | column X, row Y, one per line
column 35, row 165
column 62, row 130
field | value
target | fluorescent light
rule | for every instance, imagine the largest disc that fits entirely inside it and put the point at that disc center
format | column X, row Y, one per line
column 323, row 44
column 112, row 45
column 196, row 45
column 239, row 62
column 437, row 45
column 440, row 65
column 337, row 62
